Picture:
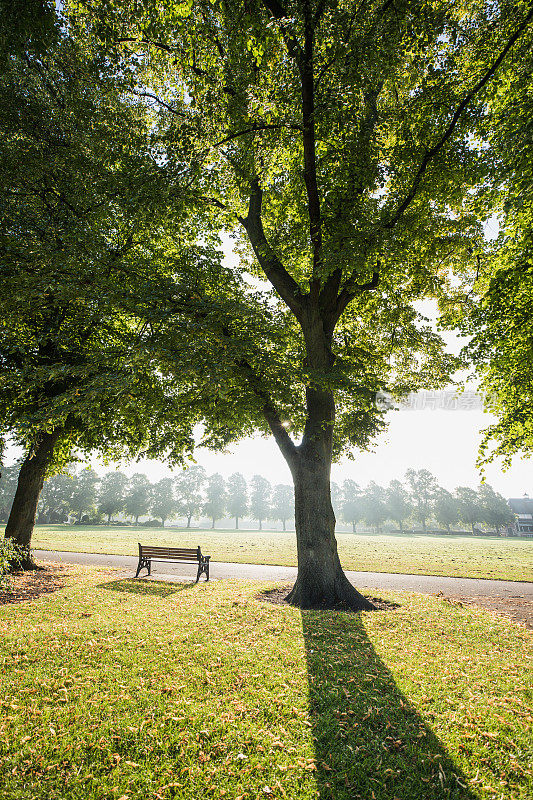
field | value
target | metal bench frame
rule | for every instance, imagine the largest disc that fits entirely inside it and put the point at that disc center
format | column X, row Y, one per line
column 149, row 553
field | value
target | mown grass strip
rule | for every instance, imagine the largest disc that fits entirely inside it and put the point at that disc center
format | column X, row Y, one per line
column 467, row 557
column 130, row 690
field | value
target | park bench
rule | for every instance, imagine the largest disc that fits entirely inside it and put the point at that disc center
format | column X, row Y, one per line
column 149, row 553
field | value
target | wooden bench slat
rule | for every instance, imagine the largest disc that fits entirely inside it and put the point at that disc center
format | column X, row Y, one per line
column 169, row 550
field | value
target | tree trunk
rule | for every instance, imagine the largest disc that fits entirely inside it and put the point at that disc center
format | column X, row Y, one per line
column 137, row 519
column 109, row 519
column 321, row 583
column 284, row 527
column 260, row 524
column 213, row 525
column 21, row 520
column 401, row 526
column 189, row 517
column 236, row 523
column 353, row 527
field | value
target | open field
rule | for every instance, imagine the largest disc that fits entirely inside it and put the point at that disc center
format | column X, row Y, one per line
column 467, row 557
column 115, row 688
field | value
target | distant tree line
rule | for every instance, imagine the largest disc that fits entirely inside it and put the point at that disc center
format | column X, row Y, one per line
column 420, row 502
column 85, row 497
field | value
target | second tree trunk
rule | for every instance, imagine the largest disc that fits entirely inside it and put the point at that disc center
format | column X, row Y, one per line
column 21, row 520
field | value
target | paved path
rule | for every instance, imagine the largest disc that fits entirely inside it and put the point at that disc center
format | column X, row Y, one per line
column 426, row 584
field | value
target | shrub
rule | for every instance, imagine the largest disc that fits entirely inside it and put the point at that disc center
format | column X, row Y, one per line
column 12, row 556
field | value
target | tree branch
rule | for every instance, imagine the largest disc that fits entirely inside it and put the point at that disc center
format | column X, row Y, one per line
column 288, row 289
column 351, row 290
column 433, row 151
column 263, row 126
column 161, row 103
column 292, row 44
column 283, row 440
column 309, row 141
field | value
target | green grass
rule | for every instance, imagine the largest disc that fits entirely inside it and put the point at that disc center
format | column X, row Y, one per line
column 460, row 556
column 137, row 690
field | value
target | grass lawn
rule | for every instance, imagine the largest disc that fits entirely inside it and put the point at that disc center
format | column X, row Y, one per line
column 468, row 557
column 117, row 689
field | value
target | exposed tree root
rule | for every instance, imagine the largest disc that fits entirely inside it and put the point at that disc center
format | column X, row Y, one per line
column 338, row 595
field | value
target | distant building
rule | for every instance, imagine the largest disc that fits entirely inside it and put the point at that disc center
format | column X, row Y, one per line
column 523, row 509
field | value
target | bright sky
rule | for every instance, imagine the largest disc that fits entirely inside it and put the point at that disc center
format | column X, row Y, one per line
column 445, row 442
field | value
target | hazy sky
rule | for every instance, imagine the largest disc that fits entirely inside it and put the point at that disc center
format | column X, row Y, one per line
column 445, row 442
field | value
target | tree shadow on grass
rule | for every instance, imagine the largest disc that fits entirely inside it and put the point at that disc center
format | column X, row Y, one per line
column 135, row 586
column 370, row 741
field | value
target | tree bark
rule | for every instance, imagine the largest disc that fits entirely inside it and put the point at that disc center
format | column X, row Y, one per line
column 260, row 524
column 189, row 517
column 236, row 523
column 321, row 582
column 21, row 520
column 284, row 527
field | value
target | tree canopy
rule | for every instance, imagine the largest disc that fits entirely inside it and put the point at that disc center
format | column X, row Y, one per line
column 493, row 303
column 340, row 146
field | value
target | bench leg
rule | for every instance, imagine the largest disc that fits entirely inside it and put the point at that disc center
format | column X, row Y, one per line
column 144, row 563
column 203, row 567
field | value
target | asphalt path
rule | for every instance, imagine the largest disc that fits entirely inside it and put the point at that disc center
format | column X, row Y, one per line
column 383, row 581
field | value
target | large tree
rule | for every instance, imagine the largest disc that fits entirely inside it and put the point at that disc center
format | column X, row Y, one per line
column 374, row 506
column 468, row 506
column 352, row 505
column 78, row 201
column 189, row 491
column 282, row 503
column 138, row 496
column 237, row 491
column 335, row 141
column 163, row 501
column 495, row 510
column 216, row 497
column 424, row 487
column 445, row 508
column 84, row 493
column 398, row 502
column 112, row 493
column 260, row 499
